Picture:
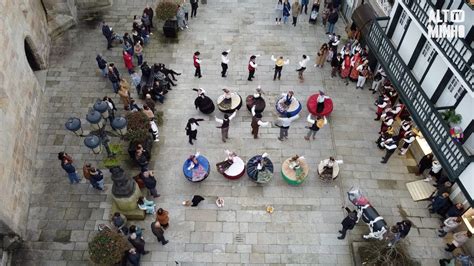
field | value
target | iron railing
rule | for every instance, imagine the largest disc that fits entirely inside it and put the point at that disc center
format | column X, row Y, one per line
column 450, row 154
column 456, row 51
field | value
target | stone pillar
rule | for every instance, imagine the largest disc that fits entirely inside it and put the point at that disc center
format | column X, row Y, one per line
column 125, row 194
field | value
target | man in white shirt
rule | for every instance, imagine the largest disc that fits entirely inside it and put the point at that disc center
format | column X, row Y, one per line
column 302, row 68
column 225, row 123
column 285, row 125
column 225, row 62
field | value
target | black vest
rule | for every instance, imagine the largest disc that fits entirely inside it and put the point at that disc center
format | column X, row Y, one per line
column 225, row 123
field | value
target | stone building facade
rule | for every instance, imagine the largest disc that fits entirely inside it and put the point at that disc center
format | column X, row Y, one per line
column 26, row 30
column 25, row 44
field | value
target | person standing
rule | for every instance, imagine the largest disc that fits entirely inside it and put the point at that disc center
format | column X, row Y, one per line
column 390, row 145
column 110, row 109
column 257, row 122
column 302, row 65
column 86, row 172
column 408, row 139
column 108, row 34
column 191, row 129
column 114, row 77
column 304, row 5
column 150, row 182
column 402, row 229
column 364, row 72
column 66, row 164
column 225, row 63
column 98, row 178
column 124, row 93
column 332, row 19
column 149, row 11
column 449, row 225
column 186, row 6
column 180, row 16
column 285, row 126
column 322, row 54
column 336, row 65
column 102, row 64
column 279, row 63
column 163, row 218
column 194, row 7
column 252, row 66
column 138, row 49
column 459, row 239
column 225, row 123
column 127, row 59
column 133, row 257
column 158, row 231
column 348, row 223
column 382, row 103
column 295, row 11
column 197, row 63
column 286, row 11
column 278, row 12
column 138, row 243
column 346, row 68
column 316, row 125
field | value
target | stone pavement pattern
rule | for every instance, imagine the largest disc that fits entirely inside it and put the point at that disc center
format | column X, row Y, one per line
column 303, row 228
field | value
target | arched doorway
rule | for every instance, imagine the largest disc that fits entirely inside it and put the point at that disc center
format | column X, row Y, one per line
column 31, row 55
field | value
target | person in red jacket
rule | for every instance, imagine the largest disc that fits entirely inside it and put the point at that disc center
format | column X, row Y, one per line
column 197, row 64
column 127, row 59
column 252, row 67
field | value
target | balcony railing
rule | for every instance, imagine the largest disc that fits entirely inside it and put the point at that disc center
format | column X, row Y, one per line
column 450, row 154
column 455, row 50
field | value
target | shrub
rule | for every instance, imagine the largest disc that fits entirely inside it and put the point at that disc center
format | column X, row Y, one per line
column 107, row 247
column 451, row 117
column 166, row 9
column 378, row 253
column 138, row 127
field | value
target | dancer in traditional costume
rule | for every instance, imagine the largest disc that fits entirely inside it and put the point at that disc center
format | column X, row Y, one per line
column 202, row 102
column 256, row 100
column 260, row 168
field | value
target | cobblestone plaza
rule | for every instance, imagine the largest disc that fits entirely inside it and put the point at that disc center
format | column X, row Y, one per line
column 303, row 229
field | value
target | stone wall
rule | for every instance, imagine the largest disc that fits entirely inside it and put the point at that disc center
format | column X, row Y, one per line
column 20, row 94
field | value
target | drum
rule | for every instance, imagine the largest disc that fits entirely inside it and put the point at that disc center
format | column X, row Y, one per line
column 199, row 172
column 236, row 170
column 293, row 177
column 312, row 105
column 204, row 104
column 260, row 176
column 229, row 107
column 292, row 110
column 258, row 102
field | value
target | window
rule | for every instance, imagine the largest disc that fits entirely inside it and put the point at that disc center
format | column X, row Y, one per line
column 404, row 19
column 428, row 52
column 459, row 93
column 453, row 84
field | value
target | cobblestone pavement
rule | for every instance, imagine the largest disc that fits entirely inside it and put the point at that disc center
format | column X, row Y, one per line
column 303, row 228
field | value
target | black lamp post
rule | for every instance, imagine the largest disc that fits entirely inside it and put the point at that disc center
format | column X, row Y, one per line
column 98, row 137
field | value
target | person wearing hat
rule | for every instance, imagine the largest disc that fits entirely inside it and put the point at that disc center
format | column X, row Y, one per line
column 252, row 66
column 191, row 129
column 316, row 125
column 257, row 122
column 279, row 63
column 197, row 64
column 225, row 63
column 364, row 72
column 225, row 123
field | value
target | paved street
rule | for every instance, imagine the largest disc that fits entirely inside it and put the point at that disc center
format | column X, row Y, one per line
column 304, row 225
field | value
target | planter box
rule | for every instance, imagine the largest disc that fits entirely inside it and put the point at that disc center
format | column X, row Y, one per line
column 170, row 28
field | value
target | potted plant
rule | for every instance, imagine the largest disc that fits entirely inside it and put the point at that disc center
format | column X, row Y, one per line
column 451, row 117
column 108, row 248
column 138, row 132
column 166, row 10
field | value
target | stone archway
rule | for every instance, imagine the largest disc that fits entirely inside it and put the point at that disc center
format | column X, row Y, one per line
column 34, row 59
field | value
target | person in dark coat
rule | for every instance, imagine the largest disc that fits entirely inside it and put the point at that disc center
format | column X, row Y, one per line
column 455, row 211
column 332, row 19
column 194, row 202
column 133, row 257
column 401, row 231
column 107, row 32
column 150, row 182
column 348, row 223
column 102, row 64
column 336, row 64
column 158, row 231
column 149, row 11
column 425, row 163
column 114, row 77
column 66, row 164
column 138, row 243
column 191, row 129
column 142, row 157
column 440, row 204
column 194, row 7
